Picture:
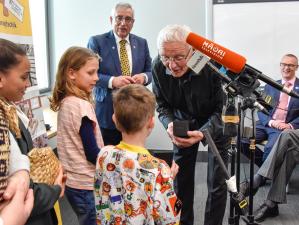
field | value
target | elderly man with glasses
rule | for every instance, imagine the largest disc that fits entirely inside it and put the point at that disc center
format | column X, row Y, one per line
column 285, row 114
column 198, row 98
column 125, row 60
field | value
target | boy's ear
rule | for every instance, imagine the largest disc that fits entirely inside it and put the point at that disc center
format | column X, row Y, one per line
column 151, row 122
column 114, row 118
column 115, row 122
column 71, row 74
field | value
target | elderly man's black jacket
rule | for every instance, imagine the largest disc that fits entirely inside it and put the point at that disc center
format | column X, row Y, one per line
column 197, row 97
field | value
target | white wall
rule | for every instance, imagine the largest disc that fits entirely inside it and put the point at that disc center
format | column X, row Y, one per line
column 262, row 32
column 72, row 22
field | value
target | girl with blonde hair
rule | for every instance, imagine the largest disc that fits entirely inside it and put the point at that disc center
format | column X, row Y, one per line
column 78, row 135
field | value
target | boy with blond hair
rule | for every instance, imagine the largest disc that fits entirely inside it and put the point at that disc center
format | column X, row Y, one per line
column 131, row 185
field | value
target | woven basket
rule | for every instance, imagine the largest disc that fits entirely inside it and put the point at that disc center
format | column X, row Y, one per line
column 44, row 165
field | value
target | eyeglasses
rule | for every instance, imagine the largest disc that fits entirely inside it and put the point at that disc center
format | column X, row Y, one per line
column 292, row 66
column 177, row 59
column 127, row 19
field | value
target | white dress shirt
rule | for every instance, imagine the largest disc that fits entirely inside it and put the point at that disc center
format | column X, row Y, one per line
column 18, row 161
column 129, row 52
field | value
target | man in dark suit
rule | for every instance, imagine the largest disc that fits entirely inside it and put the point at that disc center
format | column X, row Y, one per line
column 184, row 95
column 285, row 114
column 125, row 60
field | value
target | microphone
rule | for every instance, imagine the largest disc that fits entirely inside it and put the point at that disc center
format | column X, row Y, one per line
column 233, row 61
column 261, row 108
column 267, row 101
column 234, row 90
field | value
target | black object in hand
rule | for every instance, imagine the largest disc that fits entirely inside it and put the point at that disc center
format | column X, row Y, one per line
column 180, row 128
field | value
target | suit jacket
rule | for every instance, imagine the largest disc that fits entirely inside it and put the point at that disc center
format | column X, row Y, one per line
column 293, row 107
column 45, row 196
column 105, row 46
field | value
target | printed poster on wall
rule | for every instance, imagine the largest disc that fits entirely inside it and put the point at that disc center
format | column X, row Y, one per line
column 15, row 25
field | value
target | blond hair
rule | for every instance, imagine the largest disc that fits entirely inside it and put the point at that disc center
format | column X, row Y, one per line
column 73, row 58
column 133, row 106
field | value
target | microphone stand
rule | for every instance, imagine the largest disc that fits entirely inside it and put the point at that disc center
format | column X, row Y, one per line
column 237, row 216
column 233, row 214
column 237, row 88
column 231, row 128
column 249, row 103
column 237, row 199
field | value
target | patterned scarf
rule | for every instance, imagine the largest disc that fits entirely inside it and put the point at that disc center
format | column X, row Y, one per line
column 10, row 114
column 4, row 145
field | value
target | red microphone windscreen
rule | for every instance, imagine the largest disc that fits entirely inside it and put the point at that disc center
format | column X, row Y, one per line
column 225, row 57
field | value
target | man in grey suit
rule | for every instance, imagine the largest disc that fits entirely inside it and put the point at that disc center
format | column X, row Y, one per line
column 278, row 167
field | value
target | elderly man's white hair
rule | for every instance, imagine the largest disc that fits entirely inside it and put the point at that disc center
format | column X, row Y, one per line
column 121, row 5
column 172, row 33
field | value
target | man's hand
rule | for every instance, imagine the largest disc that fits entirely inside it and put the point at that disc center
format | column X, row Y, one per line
column 193, row 137
column 280, row 125
column 60, row 180
column 121, row 81
column 17, row 210
column 139, row 78
column 19, row 179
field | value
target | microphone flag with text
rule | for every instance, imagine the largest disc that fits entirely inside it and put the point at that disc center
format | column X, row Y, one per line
column 232, row 61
